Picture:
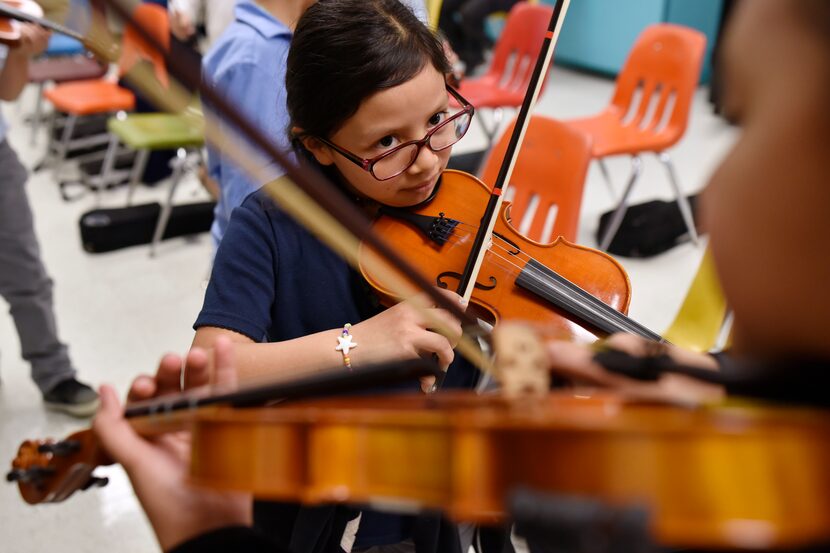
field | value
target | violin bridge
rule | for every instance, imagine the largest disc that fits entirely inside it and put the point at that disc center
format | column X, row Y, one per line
column 521, row 365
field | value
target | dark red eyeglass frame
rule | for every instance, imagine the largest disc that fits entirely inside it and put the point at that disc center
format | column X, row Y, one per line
column 368, row 164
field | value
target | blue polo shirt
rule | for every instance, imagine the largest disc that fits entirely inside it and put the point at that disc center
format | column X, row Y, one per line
column 247, row 65
column 4, row 50
column 272, row 281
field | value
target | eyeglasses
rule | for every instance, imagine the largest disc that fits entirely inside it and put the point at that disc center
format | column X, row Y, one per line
column 390, row 164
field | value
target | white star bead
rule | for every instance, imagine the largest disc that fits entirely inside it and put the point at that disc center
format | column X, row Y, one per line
column 345, row 344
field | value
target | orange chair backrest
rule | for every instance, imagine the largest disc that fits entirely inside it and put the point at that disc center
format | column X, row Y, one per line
column 518, row 45
column 552, row 166
column 655, row 88
column 134, row 48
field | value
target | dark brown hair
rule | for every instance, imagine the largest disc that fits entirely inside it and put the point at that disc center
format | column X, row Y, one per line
column 344, row 51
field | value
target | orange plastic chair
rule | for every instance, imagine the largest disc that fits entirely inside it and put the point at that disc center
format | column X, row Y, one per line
column 548, row 178
column 81, row 98
column 506, row 81
column 649, row 110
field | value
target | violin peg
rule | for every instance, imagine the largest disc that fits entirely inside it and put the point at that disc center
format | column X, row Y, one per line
column 96, row 482
column 521, row 361
column 33, row 475
column 15, row 475
column 61, row 449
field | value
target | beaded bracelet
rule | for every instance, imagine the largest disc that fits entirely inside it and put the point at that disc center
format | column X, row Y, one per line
column 345, row 344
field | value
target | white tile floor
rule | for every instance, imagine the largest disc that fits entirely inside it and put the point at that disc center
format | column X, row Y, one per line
column 120, row 311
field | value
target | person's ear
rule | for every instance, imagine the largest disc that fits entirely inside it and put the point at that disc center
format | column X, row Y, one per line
column 322, row 153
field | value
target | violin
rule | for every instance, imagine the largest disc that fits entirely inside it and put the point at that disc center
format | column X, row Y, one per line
column 572, row 291
column 727, row 477
column 13, row 12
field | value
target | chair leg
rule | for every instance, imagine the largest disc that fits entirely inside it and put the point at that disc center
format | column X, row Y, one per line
column 489, row 133
column 606, row 175
column 167, row 209
column 137, row 171
column 63, row 147
column 106, row 168
column 622, row 207
column 50, row 143
column 38, row 114
column 682, row 201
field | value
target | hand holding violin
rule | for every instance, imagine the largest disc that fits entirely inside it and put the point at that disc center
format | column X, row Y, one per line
column 404, row 332
column 33, row 40
column 577, row 363
column 158, row 469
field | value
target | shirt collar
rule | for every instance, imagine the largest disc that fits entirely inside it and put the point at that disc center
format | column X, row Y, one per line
column 263, row 22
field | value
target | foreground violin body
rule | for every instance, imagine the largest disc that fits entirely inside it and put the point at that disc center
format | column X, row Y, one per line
column 572, row 291
column 722, row 477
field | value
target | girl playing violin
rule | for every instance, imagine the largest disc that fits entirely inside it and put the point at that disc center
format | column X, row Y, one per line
column 365, row 81
column 369, row 105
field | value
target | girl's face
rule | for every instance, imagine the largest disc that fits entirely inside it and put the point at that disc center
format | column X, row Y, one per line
column 383, row 121
column 766, row 205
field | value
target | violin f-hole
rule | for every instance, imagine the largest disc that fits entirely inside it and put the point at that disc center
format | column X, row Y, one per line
column 451, row 274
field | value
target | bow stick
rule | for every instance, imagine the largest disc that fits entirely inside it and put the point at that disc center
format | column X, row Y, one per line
column 488, row 221
column 19, row 15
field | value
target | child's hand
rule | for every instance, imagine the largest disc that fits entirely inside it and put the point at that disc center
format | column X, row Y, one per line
column 33, row 40
column 405, row 332
column 158, row 468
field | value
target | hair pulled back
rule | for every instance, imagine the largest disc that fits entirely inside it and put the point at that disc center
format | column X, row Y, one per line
column 344, row 51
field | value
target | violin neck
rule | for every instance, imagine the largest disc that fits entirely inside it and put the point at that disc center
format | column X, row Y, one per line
column 581, row 305
column 328, row 383
column 19, row 15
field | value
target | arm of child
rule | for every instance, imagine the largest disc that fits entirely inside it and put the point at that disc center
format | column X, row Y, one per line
column 400, row 332
column 15, row 72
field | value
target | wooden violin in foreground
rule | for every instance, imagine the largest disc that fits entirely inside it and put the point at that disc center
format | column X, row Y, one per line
column 737, row 476
column 722, row 477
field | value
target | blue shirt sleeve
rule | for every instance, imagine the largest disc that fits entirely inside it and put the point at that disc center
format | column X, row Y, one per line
column 242, row 285
column 259, row 93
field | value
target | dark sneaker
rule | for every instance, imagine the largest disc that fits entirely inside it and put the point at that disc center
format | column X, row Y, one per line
column 72, row 397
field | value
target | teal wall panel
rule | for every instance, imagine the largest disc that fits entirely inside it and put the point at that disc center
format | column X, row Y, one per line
column 598, row 34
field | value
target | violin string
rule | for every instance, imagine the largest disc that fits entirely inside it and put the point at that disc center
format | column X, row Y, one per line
column 583, row 300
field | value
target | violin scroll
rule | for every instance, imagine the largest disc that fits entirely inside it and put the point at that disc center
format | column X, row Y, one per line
column 49, row 472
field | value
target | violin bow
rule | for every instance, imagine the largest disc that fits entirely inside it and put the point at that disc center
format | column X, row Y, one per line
column 488, row 221
column 98, row 38
column 7, row 11
column 316, row 203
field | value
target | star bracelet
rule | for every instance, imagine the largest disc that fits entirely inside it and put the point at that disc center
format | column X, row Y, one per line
column 346, row 343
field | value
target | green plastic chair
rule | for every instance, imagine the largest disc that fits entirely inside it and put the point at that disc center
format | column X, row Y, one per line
column 147, row 132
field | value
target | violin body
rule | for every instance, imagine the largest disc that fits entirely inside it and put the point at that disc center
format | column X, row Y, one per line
column 726, row 477
column 462, row 198
column 720, row 477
